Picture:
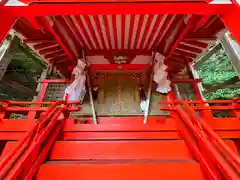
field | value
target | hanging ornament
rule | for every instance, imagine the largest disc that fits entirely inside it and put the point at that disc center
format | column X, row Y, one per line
column 160, row 74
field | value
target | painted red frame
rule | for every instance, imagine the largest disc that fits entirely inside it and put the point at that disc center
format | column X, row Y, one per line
column 228, row 13
column 119, row 67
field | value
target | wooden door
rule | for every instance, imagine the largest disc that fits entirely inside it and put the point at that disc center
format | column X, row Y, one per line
column 119, row 97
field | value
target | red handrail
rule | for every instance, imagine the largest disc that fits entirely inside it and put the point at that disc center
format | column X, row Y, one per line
column 207, row 166
column 215, row 137
column 18, row 163
column 21, row 142
column 208, row 146
column 215, row 157
column 8, row 107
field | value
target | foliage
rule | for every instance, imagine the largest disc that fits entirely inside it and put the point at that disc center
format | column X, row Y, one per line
column 25, row 68
column 227, row 93
column 216, row 70
column 26, row 62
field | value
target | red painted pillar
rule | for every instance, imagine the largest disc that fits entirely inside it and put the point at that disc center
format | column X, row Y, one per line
column 7, row 21
column 2, row 111
column 206, row 114
column 197, row 92
column 237, row 106
column 231, row 20
column 42, row 91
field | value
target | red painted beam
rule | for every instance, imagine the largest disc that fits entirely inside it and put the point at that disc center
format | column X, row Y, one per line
column 56, row 59
column 80, row 25
column 165, row 26
column 58, row 39
column 34, row 10
column 75, row 31
column 130, row 38
column 50, row 41
column 105, row 22
column 138, row 30
column 92, row 31
column 204, row 19
column 66, row 35
column 34, row 23
column 50, row 49
column 189, row 48
column 190, row 24
column 19, row 103
column 104, row 1
column 120, row 52
column 146, row 31
column 200, row 38
column 54, row 81
column 186, row 80
column 100, row 32
column 42, row 45
column 195, row 43
column 123, row 28
column 117, row 67
column 178, row 57
column 7, row 22
column 3, row 2
column 185, row 53
column 214, row 102
column 60, row 52
column 114, row 25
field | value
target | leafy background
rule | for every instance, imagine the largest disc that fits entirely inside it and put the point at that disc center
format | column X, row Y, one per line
column 216, row 70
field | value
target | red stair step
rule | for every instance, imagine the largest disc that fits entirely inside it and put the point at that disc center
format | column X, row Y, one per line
column 14, row 129
column 9, row 145
column 76, row 150
column 153, row 171
column 118, row 149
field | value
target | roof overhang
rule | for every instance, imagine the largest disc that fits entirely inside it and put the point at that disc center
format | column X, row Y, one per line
column 59, row 31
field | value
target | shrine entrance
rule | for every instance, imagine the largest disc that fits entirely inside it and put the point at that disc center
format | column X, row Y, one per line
column 118, row 94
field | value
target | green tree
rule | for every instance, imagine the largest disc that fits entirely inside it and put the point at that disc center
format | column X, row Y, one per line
column 217, row 70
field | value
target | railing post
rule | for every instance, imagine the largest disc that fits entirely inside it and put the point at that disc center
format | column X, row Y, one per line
column 3, row 111
column 207, row 114
column 41, row 95
column 237, row 105
column 24, row 159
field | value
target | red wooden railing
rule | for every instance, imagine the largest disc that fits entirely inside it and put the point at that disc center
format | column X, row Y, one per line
column 24, row 159
column 217, row 160
column 26, row 107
